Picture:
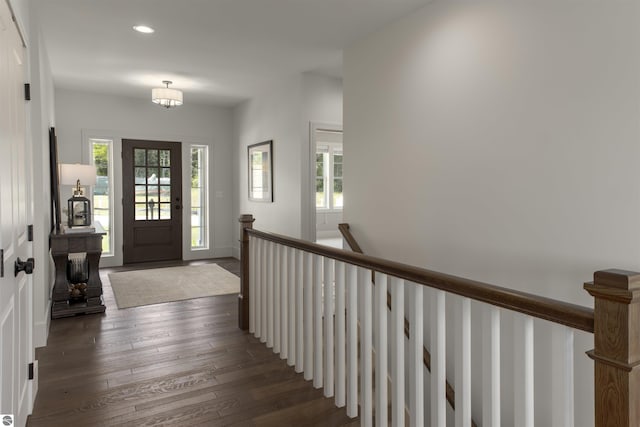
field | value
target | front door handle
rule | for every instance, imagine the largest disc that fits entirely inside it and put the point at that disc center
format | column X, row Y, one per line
column 26, row 266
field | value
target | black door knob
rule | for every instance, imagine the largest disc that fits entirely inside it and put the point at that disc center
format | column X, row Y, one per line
column 26, row 266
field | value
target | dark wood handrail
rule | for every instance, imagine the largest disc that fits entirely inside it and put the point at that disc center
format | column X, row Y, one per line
column 613, row 321
column 355, row 247
column 351, row 241
column 572, row 315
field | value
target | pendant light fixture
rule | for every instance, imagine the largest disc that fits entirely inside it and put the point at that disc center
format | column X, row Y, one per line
column 166, row 97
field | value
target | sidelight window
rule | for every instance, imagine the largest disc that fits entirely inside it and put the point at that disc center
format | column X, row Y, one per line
column 199, row 172
column 102, row 158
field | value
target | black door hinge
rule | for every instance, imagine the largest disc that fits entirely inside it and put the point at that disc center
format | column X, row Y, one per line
column 27, row 92
column 30, row 371
column 30, row 233
column 1, row 262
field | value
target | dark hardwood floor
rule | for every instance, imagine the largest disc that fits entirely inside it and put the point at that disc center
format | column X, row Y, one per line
column 176, row 364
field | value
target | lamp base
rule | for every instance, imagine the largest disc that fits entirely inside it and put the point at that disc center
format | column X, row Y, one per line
column 79, row 211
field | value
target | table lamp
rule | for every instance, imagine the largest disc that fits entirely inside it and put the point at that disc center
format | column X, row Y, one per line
column 79, row 207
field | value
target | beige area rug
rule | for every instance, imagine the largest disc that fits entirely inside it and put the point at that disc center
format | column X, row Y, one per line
column 158, row 285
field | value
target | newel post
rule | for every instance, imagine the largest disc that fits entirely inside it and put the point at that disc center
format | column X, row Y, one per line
column 617, row 347
column 246, row 223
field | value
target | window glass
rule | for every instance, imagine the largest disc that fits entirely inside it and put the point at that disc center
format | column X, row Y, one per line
column 165, row 158
column 101, row 157
column 199, row 207
column 321, row 196
column 152, row 184
column 152, row 157
column 329, row 176
column 139, row 157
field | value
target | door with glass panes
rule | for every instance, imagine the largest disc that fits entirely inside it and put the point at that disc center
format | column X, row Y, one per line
column 152, row 200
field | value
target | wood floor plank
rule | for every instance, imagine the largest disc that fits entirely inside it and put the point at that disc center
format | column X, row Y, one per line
column 181, row 363
column 305, row 413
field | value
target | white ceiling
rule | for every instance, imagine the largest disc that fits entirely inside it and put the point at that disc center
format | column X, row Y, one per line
column 216, row 51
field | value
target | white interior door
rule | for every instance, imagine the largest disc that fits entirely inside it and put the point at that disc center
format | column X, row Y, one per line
column 16, row 348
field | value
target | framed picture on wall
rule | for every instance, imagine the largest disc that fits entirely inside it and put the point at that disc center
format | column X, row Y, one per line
column 54, row 180
column 260, row 158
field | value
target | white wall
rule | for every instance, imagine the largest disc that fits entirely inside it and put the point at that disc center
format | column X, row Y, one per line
column 322, row 99
column 80, row 115
column 273, row 115
column 322, row 105
column 327, row 224
column 499, row 141
column 283, row 113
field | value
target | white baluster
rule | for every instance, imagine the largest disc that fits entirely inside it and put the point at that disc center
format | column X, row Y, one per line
column 397, row 352
column 328, row 327
column 284, row 304
column 308, row 316
column 366, row 374
column 277, row 299
column 523, row 370
column 381, row 349
column 264, row 289
column 291, row 287
column 257, row 296
column 252, row 284
column 317, row 322
column 416, row 364
column 438, row 359
column 300, row 322
column 270, row 276
column 491, row 368
column 562, row 395
column 352, row 340
column 463, row 363
column 340, row 378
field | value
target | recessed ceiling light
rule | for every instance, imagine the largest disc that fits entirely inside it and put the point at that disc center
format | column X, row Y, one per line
column 143, row 29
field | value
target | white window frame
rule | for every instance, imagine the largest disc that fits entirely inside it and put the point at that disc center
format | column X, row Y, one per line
column 110, row 173
column 116, row 188
column 204, row 196
column 332, row 149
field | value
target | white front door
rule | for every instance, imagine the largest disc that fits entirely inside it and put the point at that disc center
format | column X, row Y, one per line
column 16, row 348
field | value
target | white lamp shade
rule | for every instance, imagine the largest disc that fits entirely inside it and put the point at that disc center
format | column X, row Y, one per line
column 166, row 97
column 70, row 174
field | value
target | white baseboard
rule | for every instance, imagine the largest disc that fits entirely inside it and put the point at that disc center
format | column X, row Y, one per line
column 41, row 329
column 236, row 253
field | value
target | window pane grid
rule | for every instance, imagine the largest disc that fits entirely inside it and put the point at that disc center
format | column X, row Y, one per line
column 329, row 170
column 152, row 196
column 322, row 154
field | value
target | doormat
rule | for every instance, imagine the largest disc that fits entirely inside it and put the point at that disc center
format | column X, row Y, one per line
column 158, row 285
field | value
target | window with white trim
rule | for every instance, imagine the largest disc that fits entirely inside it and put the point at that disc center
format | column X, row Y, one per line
column 199, row 200
column 329, row 176
column 102, row 158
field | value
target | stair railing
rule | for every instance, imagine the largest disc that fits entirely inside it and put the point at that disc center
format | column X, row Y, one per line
column 450, row 393
column 302, row 300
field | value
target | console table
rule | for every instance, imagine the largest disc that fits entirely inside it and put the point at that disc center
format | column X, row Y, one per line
column 65, row 243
